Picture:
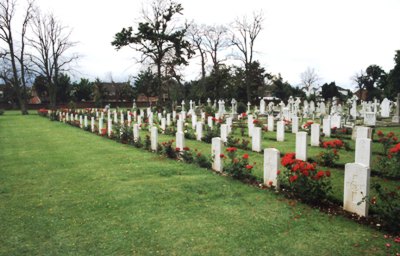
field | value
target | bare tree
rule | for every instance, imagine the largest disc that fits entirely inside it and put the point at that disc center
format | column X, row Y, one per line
column 196, row 36
column 309, row 80
column 244, row 34
column 51, row 42
column 13, row 55
column 215, row 40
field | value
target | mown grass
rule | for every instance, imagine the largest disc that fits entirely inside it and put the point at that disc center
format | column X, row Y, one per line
column 66, row 191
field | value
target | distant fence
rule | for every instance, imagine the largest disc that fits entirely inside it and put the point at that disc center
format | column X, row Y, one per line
column 87, row 104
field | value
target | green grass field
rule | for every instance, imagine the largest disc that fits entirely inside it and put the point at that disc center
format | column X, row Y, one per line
column 67, row 191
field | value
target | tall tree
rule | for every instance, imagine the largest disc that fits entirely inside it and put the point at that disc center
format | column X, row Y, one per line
column 392, row 88
column 159, row 39
column 196, row 37
column 370, row 79
column 215, row 41
column 51, row 41
column 244, row 35
column 13, row 55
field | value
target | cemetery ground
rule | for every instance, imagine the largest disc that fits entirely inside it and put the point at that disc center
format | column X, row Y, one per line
column 67, row 191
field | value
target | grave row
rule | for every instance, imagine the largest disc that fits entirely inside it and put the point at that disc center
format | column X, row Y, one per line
column 357, row 174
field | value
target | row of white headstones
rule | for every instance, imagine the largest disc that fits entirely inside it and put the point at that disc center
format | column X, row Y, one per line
column 357, row 174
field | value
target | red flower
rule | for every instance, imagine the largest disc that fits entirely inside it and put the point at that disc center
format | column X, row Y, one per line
column 231, row 149
column 328, row 174
column 320, row 174
column 379, row 133
column 246, row 156
column 388, row 245
column 199, row 154
column 293, row 178
column 186, row 148
column 249, row 167
column 288, row 159
column 270, row 183
column 397, row 239
column 305, row 173
column 221, row 155
column 390, row 134
column 177, row 149
column 278, row 172
column 255, row 121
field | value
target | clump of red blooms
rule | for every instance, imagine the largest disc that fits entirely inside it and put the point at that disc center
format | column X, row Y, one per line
column 394, row 150
column 299, row 167
column 333, row 144
column 308, row 124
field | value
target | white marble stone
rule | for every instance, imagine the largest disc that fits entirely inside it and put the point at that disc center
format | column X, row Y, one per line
column 271, row 165
column 363, row 152
column 109, row 128
column 154, row 138
column 295, row 124
column 370, row 118
column 135, row 131
column 315, row 134
column 163, row 124
column 280, row 131
column 216, row 151
column 256, row 139
column 326, row 126
column 356, row 187
column 270, row 123
column 92, row 124
column 180, row 140
column 199, row 131
column 301, row 146
column 224, row 133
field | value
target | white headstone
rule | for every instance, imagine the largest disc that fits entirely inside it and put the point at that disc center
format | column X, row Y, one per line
column 370, row 118
column 270, row 123
column 85, row 122
column 92, row 124
column 163, row 124
column 336, row 121
column 100, row 125
column 256, row 139
column 361, row 132
column 356, row 187
column 229, row 124
column 210, row 121
column 199, row 131
column 224, row 133
column 315, row 133
column 194, row 120
column 385, row 108
column 154, row 138
column 81, row 121
column 179, row 126
column 135, row 132
column 173, row 116
column 169, row 119
column 216, row 151
column 326, row 126
column 109, row 128
column 180, row 140
column 280, row 131
column 295, row 124
column 271, row 165
column 301, row 146
column 363, row 152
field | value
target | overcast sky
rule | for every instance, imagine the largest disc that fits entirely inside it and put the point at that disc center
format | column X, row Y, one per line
column 335, row 37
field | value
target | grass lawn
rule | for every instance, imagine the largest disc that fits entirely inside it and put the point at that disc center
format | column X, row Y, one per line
column 67, row 191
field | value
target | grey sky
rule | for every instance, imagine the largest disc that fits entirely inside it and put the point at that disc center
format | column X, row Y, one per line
column 336, row 38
